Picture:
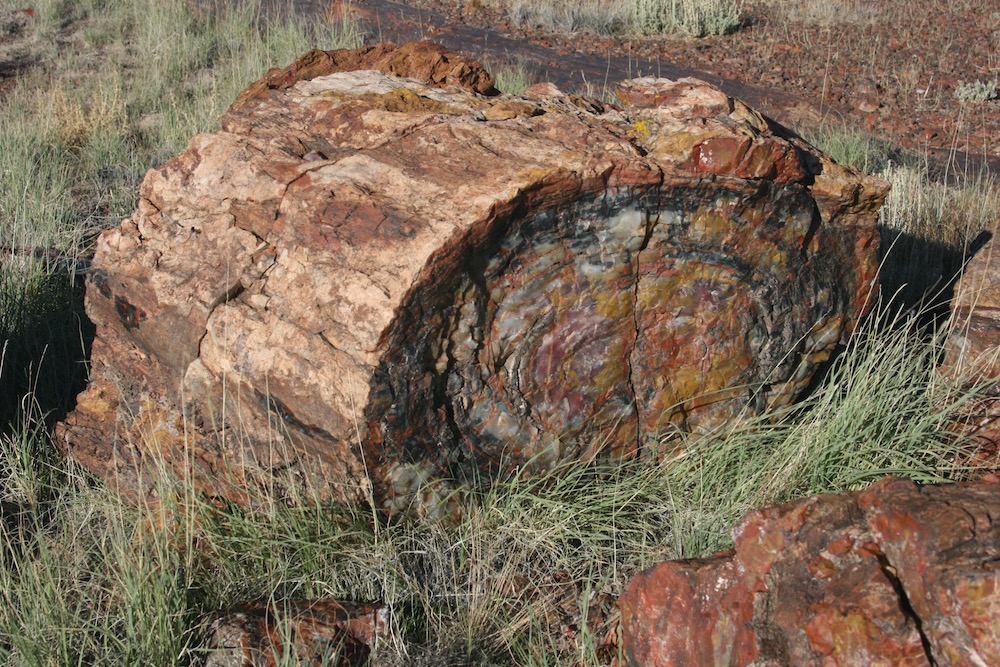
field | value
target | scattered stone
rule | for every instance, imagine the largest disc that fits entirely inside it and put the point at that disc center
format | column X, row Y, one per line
column 365, row 285
column 898, row 574
column 315, row 632
column 543, row 90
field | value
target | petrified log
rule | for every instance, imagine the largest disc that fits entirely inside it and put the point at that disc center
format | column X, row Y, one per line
column 895, row 575
column 363, row 278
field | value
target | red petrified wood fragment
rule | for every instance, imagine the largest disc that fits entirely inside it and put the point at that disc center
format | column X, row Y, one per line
column 895, row 575
column 303, row 632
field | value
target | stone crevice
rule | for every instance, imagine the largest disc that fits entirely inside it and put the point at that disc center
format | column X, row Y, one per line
column 904, row 604
column 856, row 578
column 650, row 222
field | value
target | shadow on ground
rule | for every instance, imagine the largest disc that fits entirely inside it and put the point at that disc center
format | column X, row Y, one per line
column 46, row 340
column 919, row 275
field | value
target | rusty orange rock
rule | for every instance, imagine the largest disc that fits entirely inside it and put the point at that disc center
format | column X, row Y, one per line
column 367, row 282
column 896, row 575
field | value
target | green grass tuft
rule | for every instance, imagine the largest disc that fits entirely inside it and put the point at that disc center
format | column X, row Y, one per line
column 512, row 78
column 695, row 18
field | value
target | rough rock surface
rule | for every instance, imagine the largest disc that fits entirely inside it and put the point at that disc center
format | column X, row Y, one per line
column 972, row 350
column 366, row 279
column 315, row 632
column 898, row 574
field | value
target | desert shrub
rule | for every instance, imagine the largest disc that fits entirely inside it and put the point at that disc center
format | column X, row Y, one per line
column 594, row 16
column 976, row 92
column 696, row 18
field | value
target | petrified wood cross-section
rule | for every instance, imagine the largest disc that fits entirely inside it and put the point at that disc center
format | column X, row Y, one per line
column 364, row 279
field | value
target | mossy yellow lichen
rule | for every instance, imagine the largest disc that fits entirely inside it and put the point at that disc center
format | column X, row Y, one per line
column 641, row 128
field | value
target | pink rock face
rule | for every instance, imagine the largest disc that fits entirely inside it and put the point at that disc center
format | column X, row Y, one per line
column 368, row 283
column 895, row 575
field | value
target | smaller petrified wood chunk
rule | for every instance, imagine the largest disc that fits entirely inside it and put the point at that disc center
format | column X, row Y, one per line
column 972, row 349
column 898, row 574
column 313, row 632
column 366, row 283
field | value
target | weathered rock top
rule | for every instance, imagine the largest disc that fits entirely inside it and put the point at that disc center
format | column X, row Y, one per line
column 371, row 281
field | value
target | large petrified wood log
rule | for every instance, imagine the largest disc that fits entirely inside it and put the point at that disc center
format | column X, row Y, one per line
column 363, row 278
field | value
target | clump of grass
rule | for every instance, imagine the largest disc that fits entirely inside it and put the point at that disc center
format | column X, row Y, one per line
column 512, row 77
column 860, row 149
column 593, row 16
column 696, row 18
column 82, row 581
column 829, row 12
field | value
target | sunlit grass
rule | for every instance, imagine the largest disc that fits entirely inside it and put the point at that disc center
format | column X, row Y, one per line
column 510, row 77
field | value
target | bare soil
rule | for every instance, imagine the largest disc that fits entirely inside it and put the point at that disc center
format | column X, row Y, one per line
column 889, row 68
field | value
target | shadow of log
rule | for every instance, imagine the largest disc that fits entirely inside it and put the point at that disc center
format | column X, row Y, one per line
column 919, row 274
column 45, row 341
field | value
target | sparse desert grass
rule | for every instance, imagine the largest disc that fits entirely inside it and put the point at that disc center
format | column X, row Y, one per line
column 495, row 586
column 80, row 131
column 511, row 76
column 84, row 125
column 829, row 12
column 87, row 580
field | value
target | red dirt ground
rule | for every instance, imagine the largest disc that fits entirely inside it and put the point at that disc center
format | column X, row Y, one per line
column 890, row 68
